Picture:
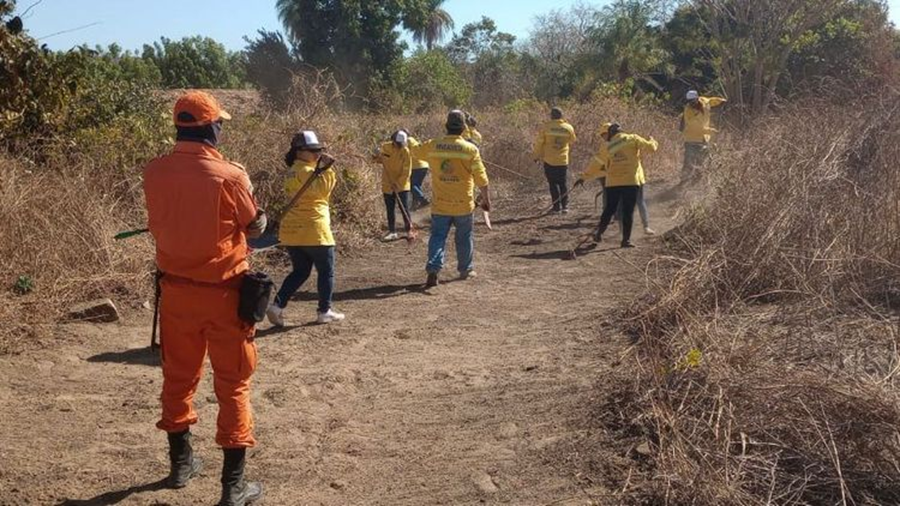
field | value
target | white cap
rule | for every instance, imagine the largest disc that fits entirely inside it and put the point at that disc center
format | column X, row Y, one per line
column 401, row 138
column 693, row 95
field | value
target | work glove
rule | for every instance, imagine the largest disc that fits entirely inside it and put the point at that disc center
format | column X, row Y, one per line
column 258, row 226
column 578, row 183
column 325, row 162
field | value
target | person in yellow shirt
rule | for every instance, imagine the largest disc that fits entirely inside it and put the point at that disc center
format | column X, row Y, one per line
column 472, row 134
column 697, row 130
column 305, row 229
column 456, row 170
column 624, row 176
column 417, row 181
column 552, row 148
column 396, row 180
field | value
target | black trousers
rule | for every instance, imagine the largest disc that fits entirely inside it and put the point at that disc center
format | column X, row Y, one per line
column 557, row 177
column 390, row 205
column 626, row 196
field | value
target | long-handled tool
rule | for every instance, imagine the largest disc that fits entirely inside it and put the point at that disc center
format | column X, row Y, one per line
column 582, row 240
column 413, row 233
column 130, row 233
column 505, row 169
column 562, row 197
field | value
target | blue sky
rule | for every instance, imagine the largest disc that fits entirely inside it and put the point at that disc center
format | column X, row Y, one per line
column 131, row 24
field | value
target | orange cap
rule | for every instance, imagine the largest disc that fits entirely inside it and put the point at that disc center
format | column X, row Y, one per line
column 198, row 108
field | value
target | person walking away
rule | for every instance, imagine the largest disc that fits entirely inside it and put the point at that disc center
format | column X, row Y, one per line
column 623, row 179
column 396, row 176
column 201, row 211
column 472, row 134
column 457, row 170
column 552, row 148
column 697, row 131
column 305, row 230
column 419, row 174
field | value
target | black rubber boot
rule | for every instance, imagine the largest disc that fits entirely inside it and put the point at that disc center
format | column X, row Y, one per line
column 184, row 465
column 236, row 491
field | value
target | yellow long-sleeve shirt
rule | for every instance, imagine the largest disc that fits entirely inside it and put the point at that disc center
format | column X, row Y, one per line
column 396, row 163
column 472, row 135
column 417, row 163
column 697, row 121
column 553, row 141
column 597, row 166
column 308, row 223
column 624, row 166
column 456, row 170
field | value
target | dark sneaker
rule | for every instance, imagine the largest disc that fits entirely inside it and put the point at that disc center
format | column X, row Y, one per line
column 468, row 275
column 627, row 244
column 432, row 280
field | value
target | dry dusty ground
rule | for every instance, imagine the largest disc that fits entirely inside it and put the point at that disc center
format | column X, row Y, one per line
column 487, row 391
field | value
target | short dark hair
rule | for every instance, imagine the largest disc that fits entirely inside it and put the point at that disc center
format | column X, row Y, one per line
column 556, row 113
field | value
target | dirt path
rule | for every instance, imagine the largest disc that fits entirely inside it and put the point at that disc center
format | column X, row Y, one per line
column 484, row 391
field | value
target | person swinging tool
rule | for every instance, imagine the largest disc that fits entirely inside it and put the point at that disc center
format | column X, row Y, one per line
column 396, row 175
column 597, row 170
column 697, row 130
column 623, row 179
column 457, row 170
column 552, row 148
column 305, row 230
column 201, row 212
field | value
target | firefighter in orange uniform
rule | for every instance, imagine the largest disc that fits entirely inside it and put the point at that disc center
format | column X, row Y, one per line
column 201, row 212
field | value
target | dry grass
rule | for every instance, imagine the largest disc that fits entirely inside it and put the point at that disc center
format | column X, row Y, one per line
column 769, row 350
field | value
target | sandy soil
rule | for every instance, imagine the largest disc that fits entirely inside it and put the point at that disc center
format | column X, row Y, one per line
column 489, row 391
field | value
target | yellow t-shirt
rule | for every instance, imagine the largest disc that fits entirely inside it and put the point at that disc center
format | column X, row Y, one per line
column 308, row 223
column 456, row 169
column 697, row 122
column 418, row 163
column 624, row 168
column 396, row 163
column 552, row 143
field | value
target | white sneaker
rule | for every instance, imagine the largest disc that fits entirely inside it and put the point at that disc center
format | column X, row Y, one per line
column 275, row 315
column 649, row 231
column 393, row 236
column 330, row 316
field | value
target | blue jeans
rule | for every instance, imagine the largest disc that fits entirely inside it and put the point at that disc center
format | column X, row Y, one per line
column 418, row 179
column 465, row 242
column 303, row 258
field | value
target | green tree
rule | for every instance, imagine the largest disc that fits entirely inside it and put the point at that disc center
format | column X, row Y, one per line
column 489, row 61
column 629, row 46
column 357, row 39
column 271, row 66
column 196, row 62
column 429, row 78
column 429, row 23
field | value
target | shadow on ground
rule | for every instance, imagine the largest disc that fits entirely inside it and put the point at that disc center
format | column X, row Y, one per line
column 137, row 356
column 117, row 496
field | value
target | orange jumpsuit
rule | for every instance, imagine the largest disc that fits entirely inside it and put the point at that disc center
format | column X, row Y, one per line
column 199, row 207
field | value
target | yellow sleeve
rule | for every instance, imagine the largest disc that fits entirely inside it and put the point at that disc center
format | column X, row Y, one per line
column 716, row 101
column 539, row 145
column 596, row 169
column 574, row 137
column 646, row 145
column 479, row 173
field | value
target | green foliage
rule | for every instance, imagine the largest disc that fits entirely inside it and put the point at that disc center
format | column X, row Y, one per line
column 24, row 285
column 271, row 66
column 489, row 61
column 429, row 78
column 356, row 39
column 428, row 21
column 196, row 62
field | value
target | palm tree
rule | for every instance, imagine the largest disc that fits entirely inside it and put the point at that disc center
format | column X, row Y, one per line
column 432, row 26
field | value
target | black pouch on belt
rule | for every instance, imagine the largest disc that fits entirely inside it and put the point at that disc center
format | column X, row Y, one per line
column 256, row 290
